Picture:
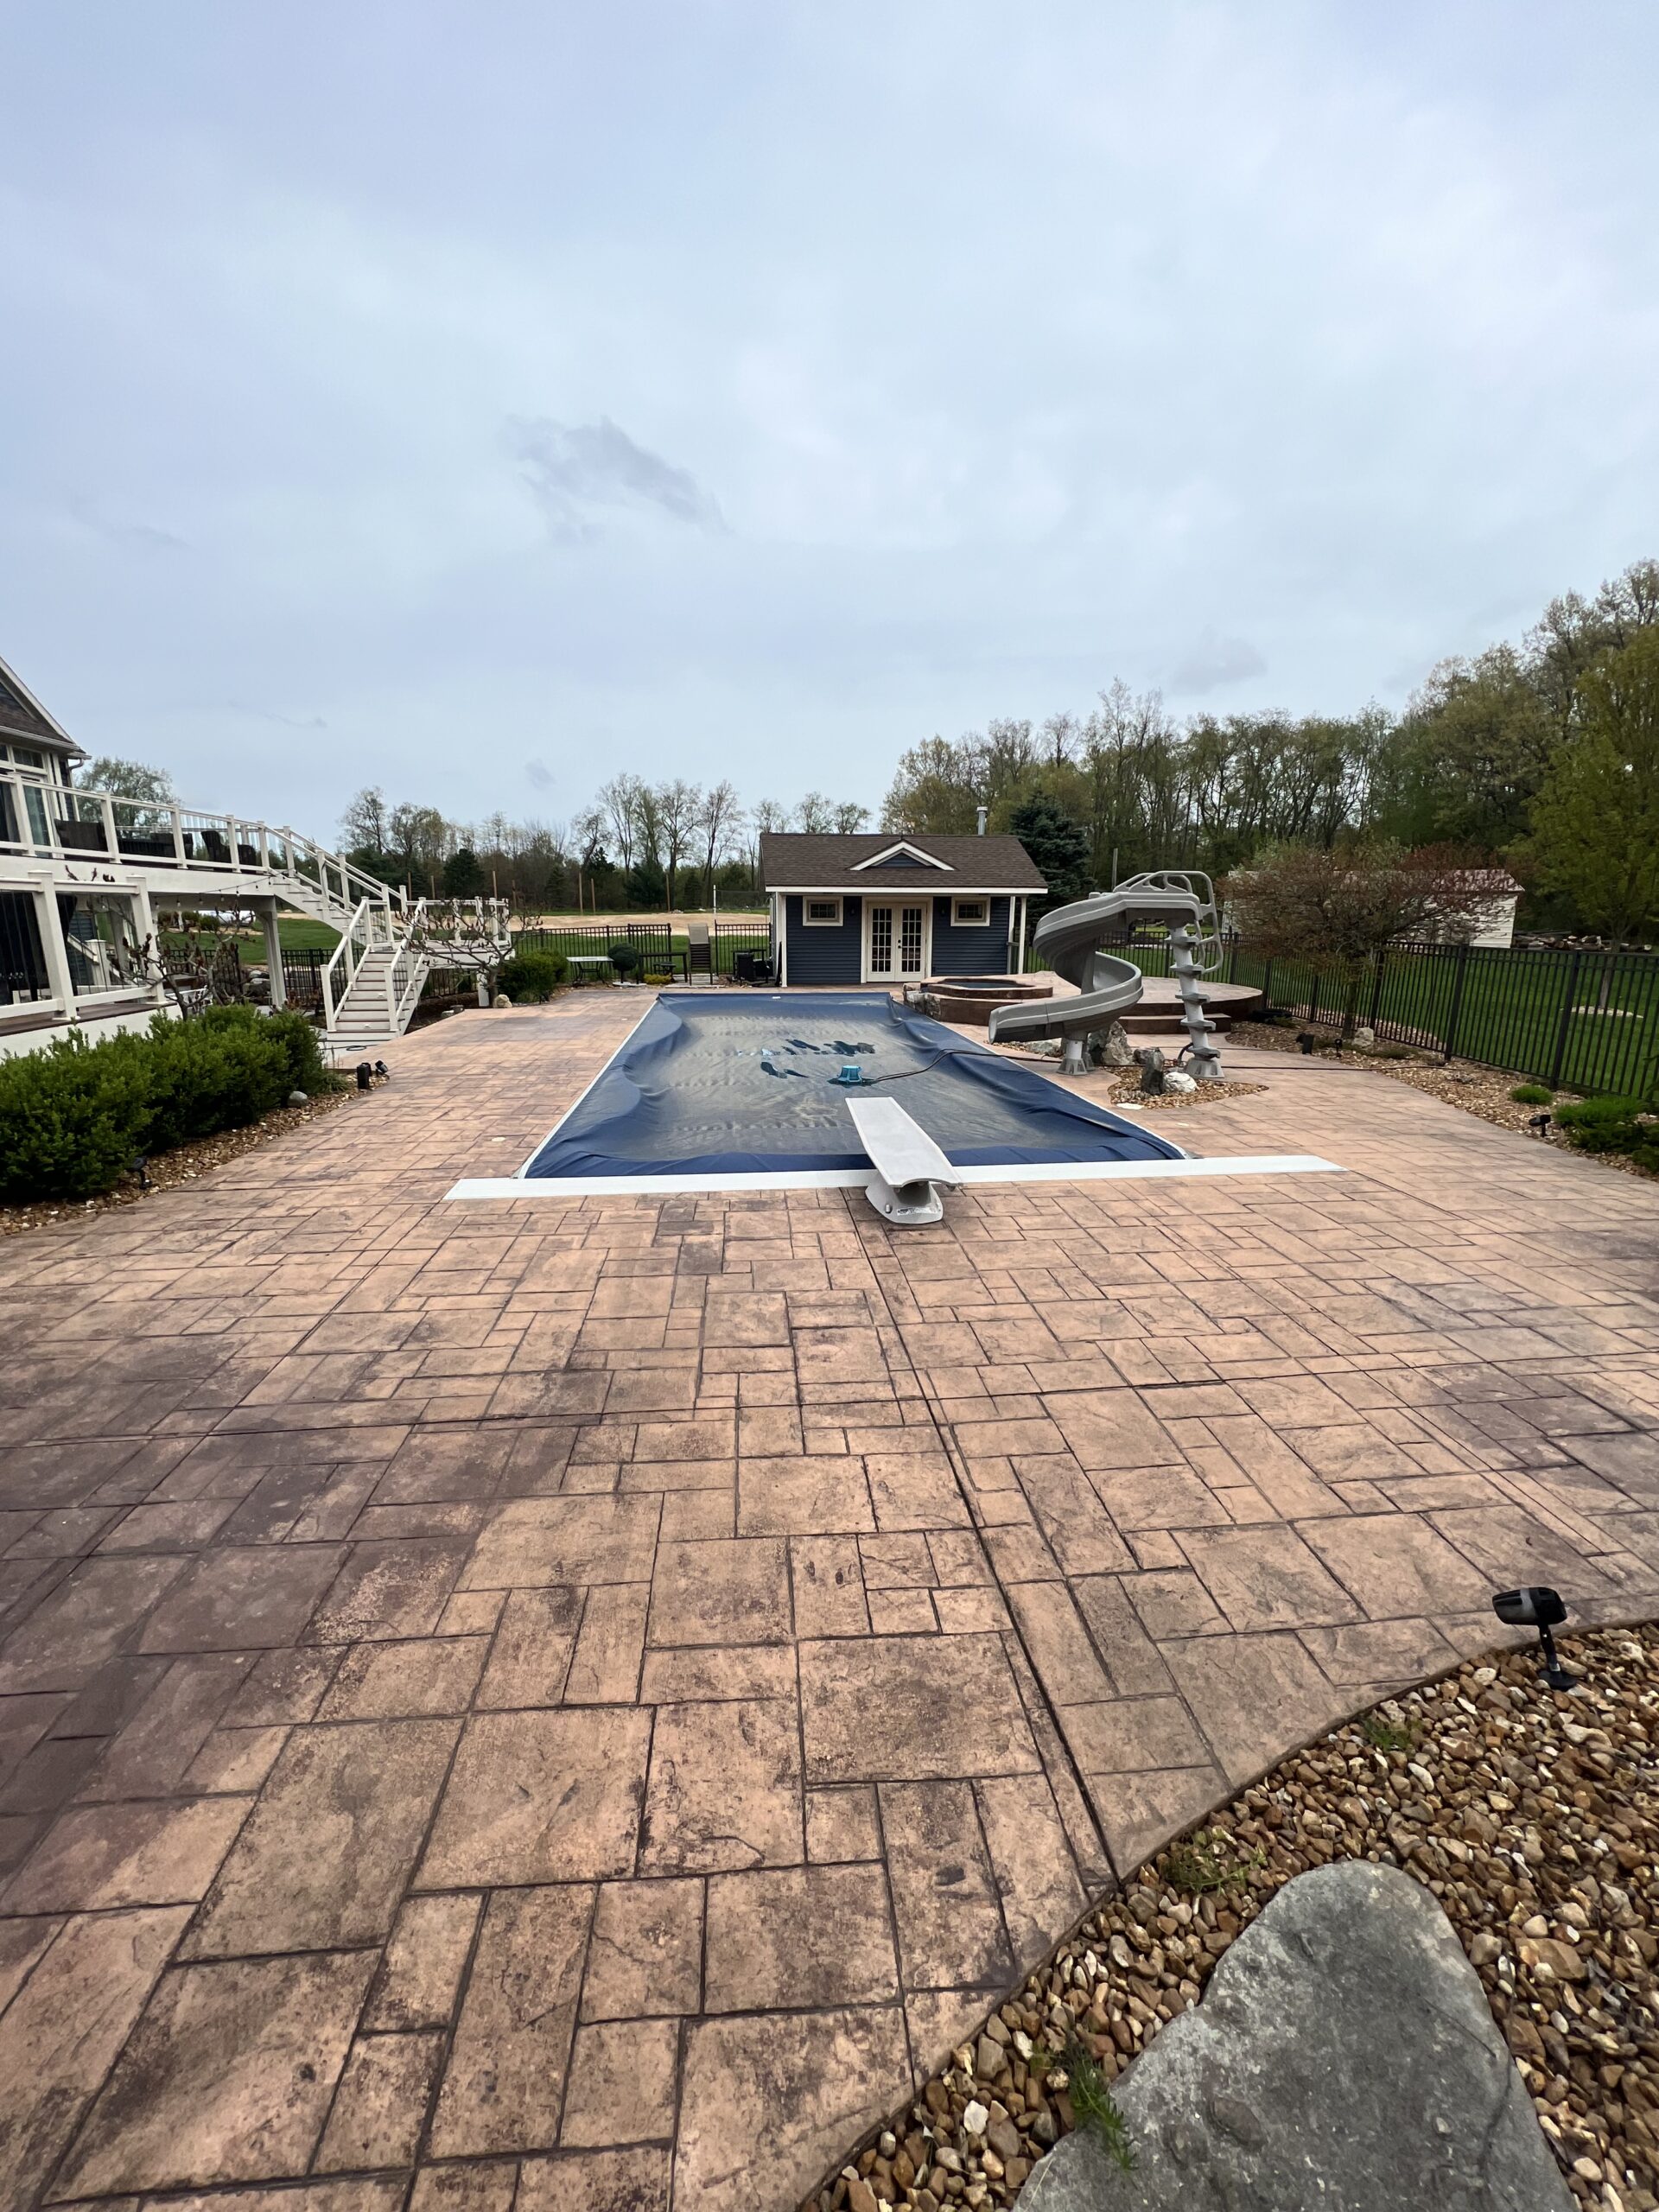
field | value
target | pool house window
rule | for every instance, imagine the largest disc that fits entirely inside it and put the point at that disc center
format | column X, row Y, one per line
column 970, row 913
column 821, row 913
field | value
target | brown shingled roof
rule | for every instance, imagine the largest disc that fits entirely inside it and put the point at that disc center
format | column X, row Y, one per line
column 794, row 861
column 22, row 715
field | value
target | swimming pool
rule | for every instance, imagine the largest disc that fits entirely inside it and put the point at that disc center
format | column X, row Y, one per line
column 723, row 1082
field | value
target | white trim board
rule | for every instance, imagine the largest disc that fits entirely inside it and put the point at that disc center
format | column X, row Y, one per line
column 855, row 1179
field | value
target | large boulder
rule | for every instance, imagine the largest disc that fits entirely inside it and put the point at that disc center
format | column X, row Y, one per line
column 1343, row 2059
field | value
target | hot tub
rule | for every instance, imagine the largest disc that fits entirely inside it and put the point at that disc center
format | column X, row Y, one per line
column 973, row 999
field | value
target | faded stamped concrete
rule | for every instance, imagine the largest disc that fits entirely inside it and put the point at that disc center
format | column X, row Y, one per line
column 591, row 1700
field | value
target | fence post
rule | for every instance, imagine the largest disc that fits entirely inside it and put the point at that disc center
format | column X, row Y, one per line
column 1266, row 987
column 1376, row 990
column 1456, row 1001
column 1565, row 1021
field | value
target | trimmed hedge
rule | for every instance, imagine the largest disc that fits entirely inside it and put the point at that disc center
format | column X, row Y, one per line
column 531, row 976
column 74, row 1117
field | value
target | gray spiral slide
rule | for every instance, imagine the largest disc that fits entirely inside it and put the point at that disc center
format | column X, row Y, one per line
column 1068, row 941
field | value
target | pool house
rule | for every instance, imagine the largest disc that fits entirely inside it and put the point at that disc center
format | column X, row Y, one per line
column 884, row 909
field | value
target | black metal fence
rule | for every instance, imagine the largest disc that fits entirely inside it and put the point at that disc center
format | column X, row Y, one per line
column 663, row 950
column 1576, row 1019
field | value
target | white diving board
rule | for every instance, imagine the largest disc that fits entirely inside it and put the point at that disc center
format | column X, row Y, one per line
column 910, row 1169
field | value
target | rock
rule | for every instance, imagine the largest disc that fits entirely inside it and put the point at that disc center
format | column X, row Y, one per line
column 1177, row 1079
column 860, row 2197
column 299, row 1098
column 1364, row 1040
column 1344, row 2054
column 974, row 2117
column 990, row 2060
column 1550, row 1960
column 501, row 998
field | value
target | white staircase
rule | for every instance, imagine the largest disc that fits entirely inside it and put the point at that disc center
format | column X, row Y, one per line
column 178, row 855
column 371, row 984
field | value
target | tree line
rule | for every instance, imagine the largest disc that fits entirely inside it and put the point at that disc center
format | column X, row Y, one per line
column 638, row 845
column 1542, row 757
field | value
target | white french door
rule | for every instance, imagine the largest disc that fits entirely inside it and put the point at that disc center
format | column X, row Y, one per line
column 898, row 940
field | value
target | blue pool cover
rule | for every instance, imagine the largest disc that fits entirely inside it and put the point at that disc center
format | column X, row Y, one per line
column 735, row 1081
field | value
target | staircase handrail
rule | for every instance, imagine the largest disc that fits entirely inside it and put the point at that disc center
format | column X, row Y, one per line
column 346, row 951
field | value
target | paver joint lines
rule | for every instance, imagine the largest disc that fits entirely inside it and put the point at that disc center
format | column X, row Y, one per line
column 612, row 1693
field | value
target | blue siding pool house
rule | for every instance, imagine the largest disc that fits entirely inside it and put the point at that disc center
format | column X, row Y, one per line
column 881, row 908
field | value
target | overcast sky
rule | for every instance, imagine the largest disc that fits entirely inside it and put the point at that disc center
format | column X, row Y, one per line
column 474, row 398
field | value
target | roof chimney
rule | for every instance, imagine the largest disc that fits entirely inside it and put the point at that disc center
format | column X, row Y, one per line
column 984, row 816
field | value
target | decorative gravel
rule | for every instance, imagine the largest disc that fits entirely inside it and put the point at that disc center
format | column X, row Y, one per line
column 1480, row 1090
column 185, row 1164
column 1531, row 1816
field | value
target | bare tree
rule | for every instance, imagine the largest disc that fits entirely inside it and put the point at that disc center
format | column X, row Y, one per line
column 679, row 805
column 719, row 820
column 850, row 818
column 619, row 802
column 815, row 815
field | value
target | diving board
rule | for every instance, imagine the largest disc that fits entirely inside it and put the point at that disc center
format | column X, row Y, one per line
column 910, row 1169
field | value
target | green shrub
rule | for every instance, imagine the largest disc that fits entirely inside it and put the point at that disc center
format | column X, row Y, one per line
column 1608, row 1124
column 72, row 1118
column 212, row 1074
column 531, row 977
column 1532, row 1094
column 624, row 958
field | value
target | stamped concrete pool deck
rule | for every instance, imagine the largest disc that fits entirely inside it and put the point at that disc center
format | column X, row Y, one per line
column 575, row 1707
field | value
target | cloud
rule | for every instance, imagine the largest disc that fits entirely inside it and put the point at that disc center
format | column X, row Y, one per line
column 1211, row 661
column 141, row 536
column 270, row 715
column 574, row 468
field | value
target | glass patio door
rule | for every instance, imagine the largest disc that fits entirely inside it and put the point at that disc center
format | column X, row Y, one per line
column 895, row 943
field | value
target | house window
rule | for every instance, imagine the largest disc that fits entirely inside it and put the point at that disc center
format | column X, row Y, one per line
column 970, row 913
column 101, row 940
column 821, row 913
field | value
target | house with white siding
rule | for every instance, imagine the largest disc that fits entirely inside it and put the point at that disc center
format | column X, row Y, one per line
column 87, row 876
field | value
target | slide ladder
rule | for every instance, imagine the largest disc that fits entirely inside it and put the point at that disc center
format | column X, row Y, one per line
column 1069, row 942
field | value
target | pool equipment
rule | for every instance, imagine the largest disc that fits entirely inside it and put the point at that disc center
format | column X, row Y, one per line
column 910, row 1169
column 850, row 1074
column 1070, row 940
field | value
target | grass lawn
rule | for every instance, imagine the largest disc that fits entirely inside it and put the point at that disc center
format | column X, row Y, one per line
column 302, row 934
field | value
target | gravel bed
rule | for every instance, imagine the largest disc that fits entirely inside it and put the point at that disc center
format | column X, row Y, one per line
column 185, row 1164
column 1473, row 1089
column 1533, row 1818
column 1121, row 1086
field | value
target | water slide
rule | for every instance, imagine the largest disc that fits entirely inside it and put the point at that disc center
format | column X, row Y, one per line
column 1068, row 941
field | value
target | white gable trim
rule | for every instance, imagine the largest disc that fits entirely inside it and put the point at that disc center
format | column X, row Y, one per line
column 928, row 860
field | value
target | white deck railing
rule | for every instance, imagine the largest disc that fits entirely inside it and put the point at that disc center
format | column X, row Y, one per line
column 43, row 821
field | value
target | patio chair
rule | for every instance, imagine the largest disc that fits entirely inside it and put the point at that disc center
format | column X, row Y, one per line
column 699, row 954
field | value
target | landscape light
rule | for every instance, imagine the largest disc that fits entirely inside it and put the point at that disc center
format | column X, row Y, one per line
column 1537, row 1607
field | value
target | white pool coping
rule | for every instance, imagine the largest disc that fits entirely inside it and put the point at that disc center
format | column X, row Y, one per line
column 543, row 1187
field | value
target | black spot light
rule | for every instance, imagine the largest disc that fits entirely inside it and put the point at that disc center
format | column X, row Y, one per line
column 1544, row 1610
